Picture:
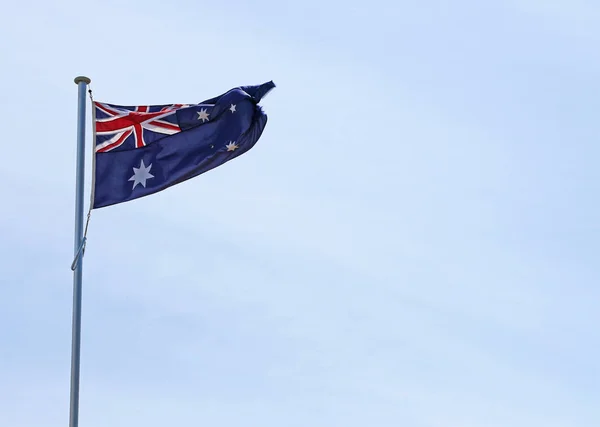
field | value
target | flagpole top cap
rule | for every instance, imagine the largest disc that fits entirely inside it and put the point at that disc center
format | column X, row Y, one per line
column 84, row 79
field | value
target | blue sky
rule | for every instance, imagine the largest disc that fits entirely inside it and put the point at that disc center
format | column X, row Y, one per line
column 411, row 242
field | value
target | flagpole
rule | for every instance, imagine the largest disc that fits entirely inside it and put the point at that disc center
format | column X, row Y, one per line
column 82, row 83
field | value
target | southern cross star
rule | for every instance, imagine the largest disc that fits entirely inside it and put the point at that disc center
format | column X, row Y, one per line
column 232, row 108
column 231, row 146
column 202, row 115
column 141, row 174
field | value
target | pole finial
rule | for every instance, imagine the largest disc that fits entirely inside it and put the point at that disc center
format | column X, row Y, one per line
column 83, row 79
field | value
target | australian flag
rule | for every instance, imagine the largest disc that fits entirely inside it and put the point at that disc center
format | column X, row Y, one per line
column 140, row 150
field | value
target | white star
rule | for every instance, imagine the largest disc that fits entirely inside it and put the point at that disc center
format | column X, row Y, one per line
column 231, row 146
column 141, row 174
column 232, row 108
column 202, row 115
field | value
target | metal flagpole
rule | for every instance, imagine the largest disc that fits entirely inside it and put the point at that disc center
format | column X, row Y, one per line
column 82, row 83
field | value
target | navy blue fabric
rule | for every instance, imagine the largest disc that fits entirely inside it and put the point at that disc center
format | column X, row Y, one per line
column 198, row 143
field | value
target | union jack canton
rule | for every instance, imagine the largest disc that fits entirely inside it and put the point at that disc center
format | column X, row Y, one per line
column 115, row 124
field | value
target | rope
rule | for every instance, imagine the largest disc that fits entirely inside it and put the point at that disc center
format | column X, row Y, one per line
column 87, row 222
column 81, row 250
column 89, row 214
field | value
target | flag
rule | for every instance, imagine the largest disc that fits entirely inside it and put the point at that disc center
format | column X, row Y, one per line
column 141, row 150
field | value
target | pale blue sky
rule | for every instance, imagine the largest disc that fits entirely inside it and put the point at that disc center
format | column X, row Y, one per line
column 412, row 242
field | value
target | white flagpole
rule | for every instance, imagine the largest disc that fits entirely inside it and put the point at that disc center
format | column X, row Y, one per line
column 82, row 83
